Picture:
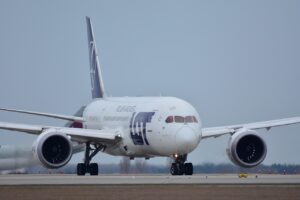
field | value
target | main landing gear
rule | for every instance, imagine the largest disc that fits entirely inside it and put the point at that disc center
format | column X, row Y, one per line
column 87, row 166
column 179, row 167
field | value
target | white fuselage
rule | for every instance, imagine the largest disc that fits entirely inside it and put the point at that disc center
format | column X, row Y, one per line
column 149, row 126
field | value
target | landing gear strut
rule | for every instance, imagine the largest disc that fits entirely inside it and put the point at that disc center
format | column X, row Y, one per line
column 87, row 166
column 179, row 167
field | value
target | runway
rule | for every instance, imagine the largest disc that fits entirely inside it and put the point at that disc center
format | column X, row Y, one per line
column 149, row 187
column 200, row 179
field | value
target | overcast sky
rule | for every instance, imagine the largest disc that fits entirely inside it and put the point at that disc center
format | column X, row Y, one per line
column 235, row 61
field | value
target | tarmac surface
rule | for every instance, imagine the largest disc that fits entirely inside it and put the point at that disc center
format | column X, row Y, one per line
column 149, row 187
column 203, row 179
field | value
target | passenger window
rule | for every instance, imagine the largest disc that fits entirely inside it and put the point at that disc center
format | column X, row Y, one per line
column 170, row 119
column 179, row 119
column 189, row 119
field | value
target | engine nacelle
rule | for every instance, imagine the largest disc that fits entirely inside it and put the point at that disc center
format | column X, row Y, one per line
column 246, row 148
column 53, row 149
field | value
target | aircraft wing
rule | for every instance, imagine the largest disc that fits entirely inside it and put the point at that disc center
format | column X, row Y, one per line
column 57, row 116
column 222, row 130
column 80, row 135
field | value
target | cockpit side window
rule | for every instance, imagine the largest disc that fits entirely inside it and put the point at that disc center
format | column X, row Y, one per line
column 179, row 119
column 189, row 119
column 170, row 119
column 195, row 119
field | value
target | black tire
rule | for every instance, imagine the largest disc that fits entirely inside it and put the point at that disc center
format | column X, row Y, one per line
column 81, row 169
column 94, row 169
column 181, row 169
column 174, row 169
column 188, row 169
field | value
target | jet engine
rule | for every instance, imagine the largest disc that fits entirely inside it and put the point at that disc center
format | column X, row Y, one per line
column 246, row 148
column 53, row 149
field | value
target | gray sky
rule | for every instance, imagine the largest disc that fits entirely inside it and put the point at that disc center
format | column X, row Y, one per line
column 235, row 61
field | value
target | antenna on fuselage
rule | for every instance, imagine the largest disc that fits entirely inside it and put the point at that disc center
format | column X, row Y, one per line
column 95, row 69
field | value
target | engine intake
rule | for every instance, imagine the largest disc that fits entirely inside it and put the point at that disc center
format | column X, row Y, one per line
column 53, row 149
column 246, row 148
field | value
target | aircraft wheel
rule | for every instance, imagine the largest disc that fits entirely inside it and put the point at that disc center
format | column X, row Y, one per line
column 94, row 169
column 188, row 169
column 174, row 169
column 81, row 169
column 181, row 169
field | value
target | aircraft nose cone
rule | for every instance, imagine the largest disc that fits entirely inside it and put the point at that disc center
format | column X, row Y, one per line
column 186, row 140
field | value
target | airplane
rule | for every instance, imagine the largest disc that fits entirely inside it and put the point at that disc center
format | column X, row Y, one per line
column 144, row 127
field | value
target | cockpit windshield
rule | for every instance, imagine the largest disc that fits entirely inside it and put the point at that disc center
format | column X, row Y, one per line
column 181, row 119
column 189, row 119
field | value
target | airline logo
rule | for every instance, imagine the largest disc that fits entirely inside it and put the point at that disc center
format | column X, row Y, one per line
column 138, row 125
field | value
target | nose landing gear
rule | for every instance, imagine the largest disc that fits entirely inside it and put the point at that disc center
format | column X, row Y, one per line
column 179, row 167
